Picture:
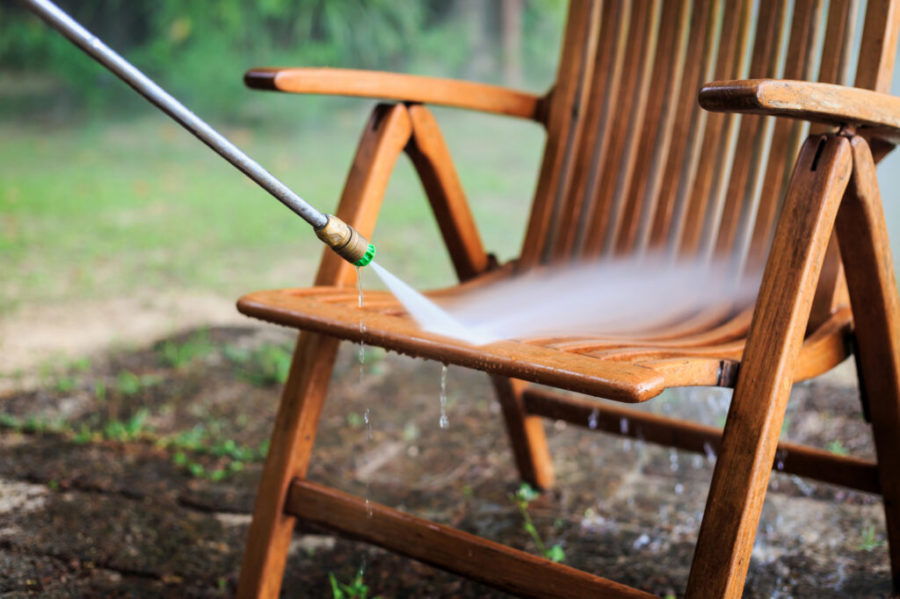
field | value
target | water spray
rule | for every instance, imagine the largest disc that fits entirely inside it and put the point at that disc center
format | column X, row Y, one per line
column 338, row 235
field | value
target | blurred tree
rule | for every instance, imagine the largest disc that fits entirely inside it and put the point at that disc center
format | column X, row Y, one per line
column 195, row 47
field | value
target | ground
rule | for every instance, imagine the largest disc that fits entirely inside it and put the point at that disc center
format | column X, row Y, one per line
column 133, row 474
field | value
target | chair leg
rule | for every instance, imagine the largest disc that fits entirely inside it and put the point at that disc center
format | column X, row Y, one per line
column 526, row 434
column 289, row 450
column 754, row 421
column 383, row 139
column 876, row 315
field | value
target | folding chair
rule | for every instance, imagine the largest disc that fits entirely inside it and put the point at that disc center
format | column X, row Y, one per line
column 632, row 164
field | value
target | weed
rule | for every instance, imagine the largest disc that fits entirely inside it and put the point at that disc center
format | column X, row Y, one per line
column 179, row 355
column 837, row 448
column 354, row 420
column 11, row 422
column 131, row 429
column 100, row 391
column 522, row 498
column 266, row 365
column 65, row 384
column 356, row 589
column 869, row 541
column 128, row 383
column 230, row 456
column 80, row 365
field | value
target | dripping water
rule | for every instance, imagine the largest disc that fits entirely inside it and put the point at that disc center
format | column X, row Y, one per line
column 444, row 423
column 593, row 419
column 367, row 419
column 362, row 327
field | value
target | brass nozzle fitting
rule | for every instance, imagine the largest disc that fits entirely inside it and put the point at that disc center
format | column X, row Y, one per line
column 346, row 241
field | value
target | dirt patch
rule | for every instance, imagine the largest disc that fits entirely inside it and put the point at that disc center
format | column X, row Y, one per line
column 135, row 476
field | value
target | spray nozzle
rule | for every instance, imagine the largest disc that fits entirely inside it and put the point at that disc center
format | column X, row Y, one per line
column 346, row 241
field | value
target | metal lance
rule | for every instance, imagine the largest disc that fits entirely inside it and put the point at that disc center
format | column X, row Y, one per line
column 337, row 234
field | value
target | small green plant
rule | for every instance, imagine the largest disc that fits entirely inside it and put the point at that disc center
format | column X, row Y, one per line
column 266, row 365
column 128, row 383
column 65, row 384
column 179, row 355
column 230, row 456
column 869, row 540
column 522, row 499
column 355, row 589
column 837, row 448
column 129, row 430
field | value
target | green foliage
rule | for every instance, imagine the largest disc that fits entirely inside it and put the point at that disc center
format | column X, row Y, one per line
column 179, row 355
column 128, row 383
column 522, row 498
column 198, row 50
column 129, row 430
column 837, row 448
column 355, row 589
column 869, row 540
column 223, row 457
column 263, row 366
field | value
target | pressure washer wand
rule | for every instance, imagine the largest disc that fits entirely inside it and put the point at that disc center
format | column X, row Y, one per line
column 337, row 234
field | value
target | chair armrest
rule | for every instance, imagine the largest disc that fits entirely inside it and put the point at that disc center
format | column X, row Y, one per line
column 876, row 114
column 396, row 86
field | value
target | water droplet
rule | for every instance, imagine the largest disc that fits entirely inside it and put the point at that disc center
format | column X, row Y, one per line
column 697, row 462
column 710, row 452
column 444, row 422
column 623, row 426
column 592, row 419
column 679, row 488
column 780, row 456
column 368, row 420
column 641, row 541
column 673, row 460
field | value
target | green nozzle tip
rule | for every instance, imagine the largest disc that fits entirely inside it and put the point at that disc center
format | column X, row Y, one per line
column 367, row 257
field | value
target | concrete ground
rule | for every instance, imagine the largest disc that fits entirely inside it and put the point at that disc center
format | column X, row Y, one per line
column 133, row 475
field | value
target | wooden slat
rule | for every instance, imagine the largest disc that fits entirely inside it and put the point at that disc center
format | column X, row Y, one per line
column 743, row 183
column 397, row 86
column 656, row 136
column 476, row 558
column 615, row 172
column 785, row 136
column 689, row 127
column 810, row 462
column 879, row 45
column 574, row 209
column 565, row 105
column 703, row 181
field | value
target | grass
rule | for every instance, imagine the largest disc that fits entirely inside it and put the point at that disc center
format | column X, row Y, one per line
column 522, row 499
column 97, row 210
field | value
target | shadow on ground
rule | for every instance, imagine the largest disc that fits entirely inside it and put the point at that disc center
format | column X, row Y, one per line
column 135, row 475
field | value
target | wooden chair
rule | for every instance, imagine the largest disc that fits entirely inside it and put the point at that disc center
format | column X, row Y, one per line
column 632, row 164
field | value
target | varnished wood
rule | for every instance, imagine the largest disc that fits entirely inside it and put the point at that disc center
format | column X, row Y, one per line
column 809, row 462
column 491, row 563
column 757, row 409
column 396, row 86
column 297, row 418
column 432, row 160
column 633, row 164
column 866, row 252
column 810, row 101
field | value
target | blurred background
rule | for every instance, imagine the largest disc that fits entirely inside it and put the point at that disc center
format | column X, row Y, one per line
column 117, row 225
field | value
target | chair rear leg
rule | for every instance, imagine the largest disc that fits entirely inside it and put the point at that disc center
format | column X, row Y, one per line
column 754, row 421
column 866, row 253
column 289, row 450
column 526, row 434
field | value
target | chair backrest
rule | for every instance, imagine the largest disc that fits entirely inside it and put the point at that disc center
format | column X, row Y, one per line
column 633, row 164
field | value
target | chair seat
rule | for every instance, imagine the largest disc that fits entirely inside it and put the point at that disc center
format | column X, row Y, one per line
column 703, row 350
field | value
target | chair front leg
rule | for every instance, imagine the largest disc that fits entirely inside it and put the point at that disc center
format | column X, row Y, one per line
column 297, row 420
column 757, row 410
column 866, row 253
column 526, row 434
